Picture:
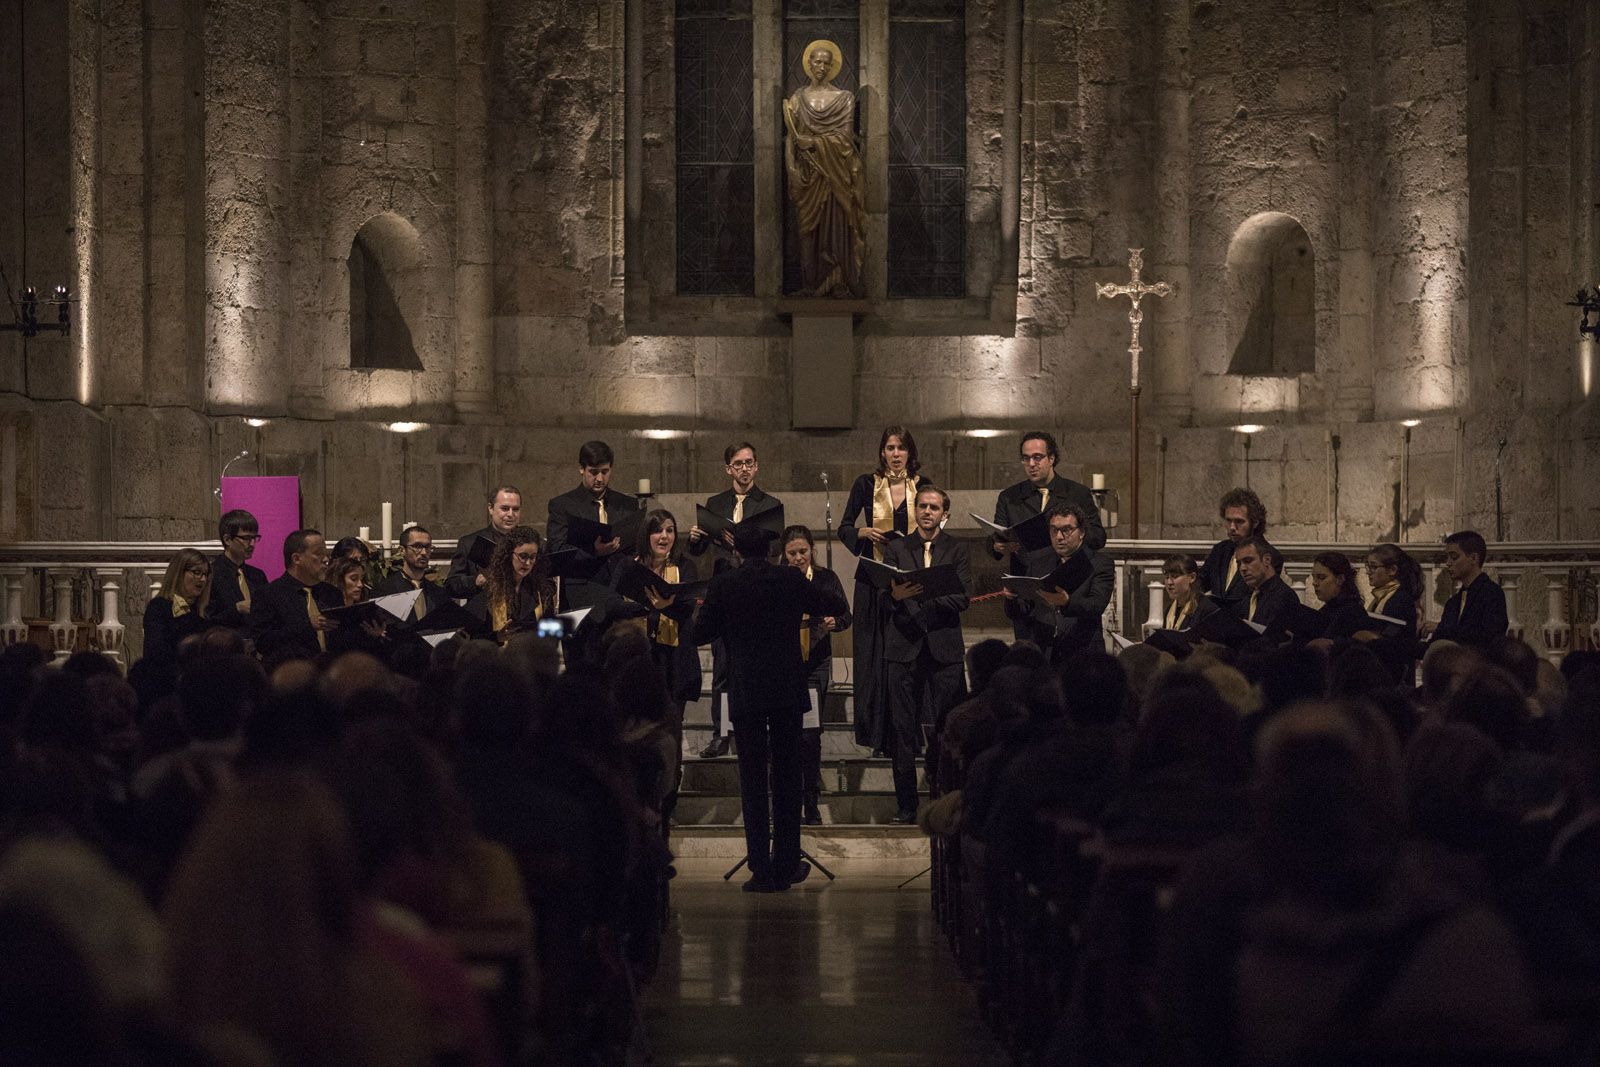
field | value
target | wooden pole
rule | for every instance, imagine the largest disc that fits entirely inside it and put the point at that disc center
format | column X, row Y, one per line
column 1133, row 479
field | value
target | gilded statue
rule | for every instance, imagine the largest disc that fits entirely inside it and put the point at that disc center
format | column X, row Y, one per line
column 824, row 169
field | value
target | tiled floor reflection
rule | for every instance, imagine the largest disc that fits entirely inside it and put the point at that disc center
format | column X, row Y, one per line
column 834, row 975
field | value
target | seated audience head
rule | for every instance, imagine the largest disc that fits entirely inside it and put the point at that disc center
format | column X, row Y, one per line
column 1186, row 722
column 505, row 508
column 1449, row 768
column 983, row 659
column 493, row 706
column 188, row 576
column 1039, row 455
column 58, row 715
column 1488, row 698
column 1444, row 665
column 350, row 548
column 1332, row 577
column 1327, row 813
column 595, row 460
column 1356, row 671
column 86, row 665
column 1518, row 659
column 1025, row 654
column 539, row 656
column 1256, row 559
column 897, row 452
column 1068, row 524
column 352, row 675
column 1577, row 661
column 739, row 460
column 1465, row 553
column 1284, row 676
column 1094, row 686
column 305, row 556
column 1242, row 514
column 348, row 576
column 238, row 531
column 1141, row 663
column 658, row 537
column 1578, row 737
column 1180, row 575
column 217, row 693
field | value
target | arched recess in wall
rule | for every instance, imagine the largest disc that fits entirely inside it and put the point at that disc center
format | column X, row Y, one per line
column 386, row 294
column 1272, row 281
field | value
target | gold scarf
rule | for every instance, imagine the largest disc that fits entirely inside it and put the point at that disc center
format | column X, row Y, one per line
column 667, row 629
column 883, row 506
column 180, row 606
column 499, row 616
column 805, row 631
column 1381, row 597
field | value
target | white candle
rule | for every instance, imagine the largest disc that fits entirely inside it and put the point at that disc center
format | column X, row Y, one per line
column 644, row 486
column 365, row 533
column 1099, row 482
column 388, row 522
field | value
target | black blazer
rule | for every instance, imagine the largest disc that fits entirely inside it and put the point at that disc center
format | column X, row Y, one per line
column 683, row 670
column 1485, row 618
column 222, row 602
column 432, row 596
column 1399, row 652
column 1020, row 502
column 934, row 624
column 859, row 506
column 1273, row 603
column 1214, row 573
column 461, row 581
column 1345, row 617
column 755, row 608
column 1203, row 607
column 1062, row 632
column 755, row 502
column 580, row 503
column 163, row 633
column 822, row 648
column 279, row 616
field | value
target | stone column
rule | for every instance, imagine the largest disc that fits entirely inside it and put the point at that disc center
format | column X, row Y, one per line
column 1158, row 604
column 12, row 629
column 247, row 198
column 474, row 364
column 63, row 632
column 767, row 43
column 110, row 629
column 1172, row 370
column 873, row 102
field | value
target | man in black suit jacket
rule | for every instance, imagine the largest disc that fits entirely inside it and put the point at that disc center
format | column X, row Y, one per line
column 235, row 585
column 288, row 619
column 595, row 500
column 1063, row 621
column 416, row 552
column 1269, row 601
column 922, row 642
column 756, row 607
column 742, row 500
column 1476, row 613
column 1032, row 496
column 816, row 641
column 1243, row 515
column 465, row 577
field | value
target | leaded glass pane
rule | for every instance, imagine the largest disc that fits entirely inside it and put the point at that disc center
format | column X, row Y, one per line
column 927, row 155
column 715, row 148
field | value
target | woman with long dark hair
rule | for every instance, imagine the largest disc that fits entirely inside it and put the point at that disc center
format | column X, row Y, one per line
column 878, row 511
column 670, row 624
column 1334, row 582
column 517, row 590
column 1397, row 587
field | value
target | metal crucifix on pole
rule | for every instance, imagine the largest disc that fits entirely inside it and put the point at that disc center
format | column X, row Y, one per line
column 1135, row 290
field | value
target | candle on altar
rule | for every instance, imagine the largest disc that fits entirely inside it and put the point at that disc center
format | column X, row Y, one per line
column 388, row 523
column 365, row 533
column 1099, row 482
column 644, row 486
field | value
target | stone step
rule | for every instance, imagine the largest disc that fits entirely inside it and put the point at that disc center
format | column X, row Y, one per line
column 702, row 811
column 826, row 843
column 841, row 776
column 838, row 740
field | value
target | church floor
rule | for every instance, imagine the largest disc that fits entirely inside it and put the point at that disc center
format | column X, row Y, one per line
column 837, row 974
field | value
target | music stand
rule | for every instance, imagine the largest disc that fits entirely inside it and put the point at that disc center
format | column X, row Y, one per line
column 927, row 743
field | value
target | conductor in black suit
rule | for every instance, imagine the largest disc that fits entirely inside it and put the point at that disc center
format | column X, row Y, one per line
column 1064, row 621
column 465, row 577
column 1476, row 613
column 416, row 556
column 1269, row 600
column 1034, row 495
column 235, row 584
column 756, row 607
column 923, row 643
column 742, row 500
column 1243, row 515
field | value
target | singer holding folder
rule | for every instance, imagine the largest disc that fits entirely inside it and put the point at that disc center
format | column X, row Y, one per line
column 881, row 504
column 923, row 643
column 1063, row 616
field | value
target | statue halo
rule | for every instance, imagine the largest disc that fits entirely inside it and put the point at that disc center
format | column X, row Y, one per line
column 833, row 49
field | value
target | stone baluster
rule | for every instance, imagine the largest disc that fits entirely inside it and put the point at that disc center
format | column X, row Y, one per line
column 1511, row 583
column 1557, row 630
column 1111, row 620
column 12, row 629
column 63, row 632
column 1158, row 603
column 110, row 629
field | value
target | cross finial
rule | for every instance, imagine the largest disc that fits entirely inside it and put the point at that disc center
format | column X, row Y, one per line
column 1135, row 290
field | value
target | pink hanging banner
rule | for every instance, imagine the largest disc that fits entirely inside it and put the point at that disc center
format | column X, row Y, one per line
column 275, row 502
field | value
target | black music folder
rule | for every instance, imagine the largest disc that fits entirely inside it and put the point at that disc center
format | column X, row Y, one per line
column 582, row 533
column 1032, row 534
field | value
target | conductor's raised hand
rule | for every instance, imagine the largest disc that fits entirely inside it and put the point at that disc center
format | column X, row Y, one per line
column 905, row 590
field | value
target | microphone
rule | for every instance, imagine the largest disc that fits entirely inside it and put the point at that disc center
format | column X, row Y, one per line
column 217, row 492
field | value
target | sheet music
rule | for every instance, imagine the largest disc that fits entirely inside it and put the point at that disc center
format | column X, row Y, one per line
column 1121, row 642
column 812, row 720
column 400, row 605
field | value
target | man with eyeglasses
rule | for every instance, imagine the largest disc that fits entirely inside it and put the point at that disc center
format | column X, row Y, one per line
column 742, row 500
column 465, row 577
column 1040, row 488
column 235, row 585
column 1064, row 621
column 416, row 560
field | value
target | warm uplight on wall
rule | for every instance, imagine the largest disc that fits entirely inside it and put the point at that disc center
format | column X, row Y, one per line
column 405, row 427
column 1410, row 424
column 661, row 435
column 982, row 435
column 257, row 423
column 1248, row 428
column 1586, row 349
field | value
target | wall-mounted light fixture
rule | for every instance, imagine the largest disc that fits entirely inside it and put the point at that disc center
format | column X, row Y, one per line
column 405, row 427
column 256, row 423
column 1248, row 430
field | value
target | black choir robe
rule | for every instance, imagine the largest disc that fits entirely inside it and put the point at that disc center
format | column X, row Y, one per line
column 1484, row 618
column 222, row 603
column 461, row 581
column 1274, row 601
column 1062, row 631
column 279, row 618
column 755, row 502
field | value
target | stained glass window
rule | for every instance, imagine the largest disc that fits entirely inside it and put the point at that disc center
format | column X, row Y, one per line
column 805, row 21
column 715, row 148
column 927, row 149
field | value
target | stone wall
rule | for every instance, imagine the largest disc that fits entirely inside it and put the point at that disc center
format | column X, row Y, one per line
column 198, row 173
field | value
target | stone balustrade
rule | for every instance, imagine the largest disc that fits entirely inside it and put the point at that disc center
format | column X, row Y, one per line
column 92, row 594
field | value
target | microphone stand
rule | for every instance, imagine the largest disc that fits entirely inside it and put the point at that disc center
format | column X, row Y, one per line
column 1499, row 516
column 217, row 492
column 827, row 513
